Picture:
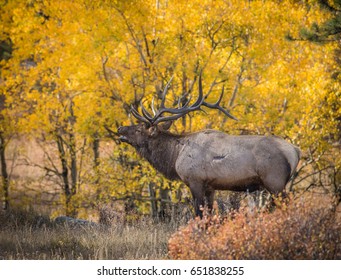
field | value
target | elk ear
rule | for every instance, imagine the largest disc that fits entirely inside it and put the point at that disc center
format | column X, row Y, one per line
column 166, row 125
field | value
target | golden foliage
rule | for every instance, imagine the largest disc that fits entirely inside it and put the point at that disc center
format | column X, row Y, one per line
column 77, row 65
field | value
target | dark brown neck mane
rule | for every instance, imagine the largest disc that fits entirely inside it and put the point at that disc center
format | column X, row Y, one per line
column 162, row 152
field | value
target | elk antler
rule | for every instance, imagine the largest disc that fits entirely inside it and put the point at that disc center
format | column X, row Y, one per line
column 177, row 113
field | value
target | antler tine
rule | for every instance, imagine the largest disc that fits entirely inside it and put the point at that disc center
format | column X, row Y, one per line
column 187, row 102
column 165, row 90
column 200, row 99
column 179, row 105
column 221, row 96
column 217, row 106
column 137, row 115
column 153, row 108
column 145, row 112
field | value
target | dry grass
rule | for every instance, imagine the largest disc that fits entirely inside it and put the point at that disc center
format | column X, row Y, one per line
column 29, row 236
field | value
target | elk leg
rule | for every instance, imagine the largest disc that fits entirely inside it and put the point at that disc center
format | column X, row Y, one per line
column 198, row 197
column 209, row 196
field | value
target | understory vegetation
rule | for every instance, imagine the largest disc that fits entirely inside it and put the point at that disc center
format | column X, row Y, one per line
column 303, row 227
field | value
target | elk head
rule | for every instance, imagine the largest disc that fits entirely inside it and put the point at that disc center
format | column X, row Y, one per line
column 138, row 135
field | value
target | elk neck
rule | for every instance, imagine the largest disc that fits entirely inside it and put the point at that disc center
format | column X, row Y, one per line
column 162, row 152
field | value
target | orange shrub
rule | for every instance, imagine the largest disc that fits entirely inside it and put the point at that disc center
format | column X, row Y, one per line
column 301, row 228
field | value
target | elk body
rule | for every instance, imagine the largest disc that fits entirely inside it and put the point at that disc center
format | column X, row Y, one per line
column 211, row 160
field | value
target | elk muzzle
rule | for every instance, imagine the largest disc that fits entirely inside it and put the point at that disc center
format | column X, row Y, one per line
column 122, row 131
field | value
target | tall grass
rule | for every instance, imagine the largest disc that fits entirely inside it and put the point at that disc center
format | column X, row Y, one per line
column 30, row 236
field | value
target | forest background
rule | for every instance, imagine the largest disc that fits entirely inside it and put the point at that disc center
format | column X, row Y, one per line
column 71, row 69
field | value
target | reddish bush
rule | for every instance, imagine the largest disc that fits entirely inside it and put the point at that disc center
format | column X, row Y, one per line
column 301, row 228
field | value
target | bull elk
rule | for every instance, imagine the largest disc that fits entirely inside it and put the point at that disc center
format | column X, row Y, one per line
column 210, row 160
